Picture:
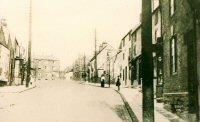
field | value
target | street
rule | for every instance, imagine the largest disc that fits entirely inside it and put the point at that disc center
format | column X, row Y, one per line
column 63, row 101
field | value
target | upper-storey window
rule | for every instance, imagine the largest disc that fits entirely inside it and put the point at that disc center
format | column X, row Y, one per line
column 123, row 42
column 173, row 51
column 172, row 7
column 173, row 54
column 156, row 18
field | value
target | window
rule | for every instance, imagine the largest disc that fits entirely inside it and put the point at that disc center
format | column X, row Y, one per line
column 172, row 30
column 123, row 74
column 129, row 76
column 134, row 37
column 123, row 42
column 172, row 7
column 134, row 50
column 123, row 56
column 156, row 18
column 173, row 54
column 156, row 31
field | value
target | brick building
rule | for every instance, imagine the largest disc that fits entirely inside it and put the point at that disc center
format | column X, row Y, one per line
column 46, row 67
column 181, row 45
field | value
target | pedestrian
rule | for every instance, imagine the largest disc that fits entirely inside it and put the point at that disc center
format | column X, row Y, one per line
column 118, row 83
column 102, row 80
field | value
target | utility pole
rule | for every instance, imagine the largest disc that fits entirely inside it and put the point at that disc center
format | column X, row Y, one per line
column 84, row 73
column 147, row 63
column 29, row 46
column 95, row 63
column 108, row 59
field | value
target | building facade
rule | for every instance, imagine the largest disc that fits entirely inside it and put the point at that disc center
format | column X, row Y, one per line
column 46, row 68
column 4, row 58
column 126, row 51
column 180, row 34
column 135, row 56
column 12, row 60
column 157, row 49
column 105, row 57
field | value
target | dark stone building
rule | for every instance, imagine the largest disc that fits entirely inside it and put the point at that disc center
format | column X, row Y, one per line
column 181, row 46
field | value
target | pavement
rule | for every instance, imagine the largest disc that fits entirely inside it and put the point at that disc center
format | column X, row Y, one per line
column 133, row 97
column 16, row 89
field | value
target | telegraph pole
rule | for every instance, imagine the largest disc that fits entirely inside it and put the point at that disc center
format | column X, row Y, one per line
column 84, row 68
column 147, row 63
column 108, row 58
column 29, row 46
column 95, row 63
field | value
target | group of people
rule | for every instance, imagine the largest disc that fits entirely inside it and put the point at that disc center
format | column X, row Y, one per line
column 118, row 83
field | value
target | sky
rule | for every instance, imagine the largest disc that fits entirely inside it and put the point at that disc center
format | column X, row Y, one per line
column 66, row 28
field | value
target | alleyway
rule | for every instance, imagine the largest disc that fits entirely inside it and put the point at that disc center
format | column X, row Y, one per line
column 63, row 101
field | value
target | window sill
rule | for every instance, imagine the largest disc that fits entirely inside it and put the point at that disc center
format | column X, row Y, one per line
column 174, row 73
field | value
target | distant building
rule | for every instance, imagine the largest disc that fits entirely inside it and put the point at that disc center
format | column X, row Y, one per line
column 118, row 63
column 135, row 56
column 105, row 57
column 46, row 68
column 80, row 68
column 126, row 50
column 62, row 75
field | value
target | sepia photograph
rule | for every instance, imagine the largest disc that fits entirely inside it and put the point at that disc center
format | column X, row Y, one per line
column 99, row 60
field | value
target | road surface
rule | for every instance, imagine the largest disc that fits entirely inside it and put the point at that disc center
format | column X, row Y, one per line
column 64, row 101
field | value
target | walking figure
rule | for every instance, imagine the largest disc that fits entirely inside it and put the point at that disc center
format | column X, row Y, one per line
column 118, row 83
column 102, row 80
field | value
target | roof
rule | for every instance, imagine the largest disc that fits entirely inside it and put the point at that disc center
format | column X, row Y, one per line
column 98, row 53
column 6, row 33
column 2, row 37
column 107, row 44
column 136, row 28
column 42, row 57
column 127, row 34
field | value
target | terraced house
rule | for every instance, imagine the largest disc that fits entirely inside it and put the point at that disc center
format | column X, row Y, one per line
column 11, row 59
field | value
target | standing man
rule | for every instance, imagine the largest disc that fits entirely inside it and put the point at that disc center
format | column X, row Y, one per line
column 118, row 82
